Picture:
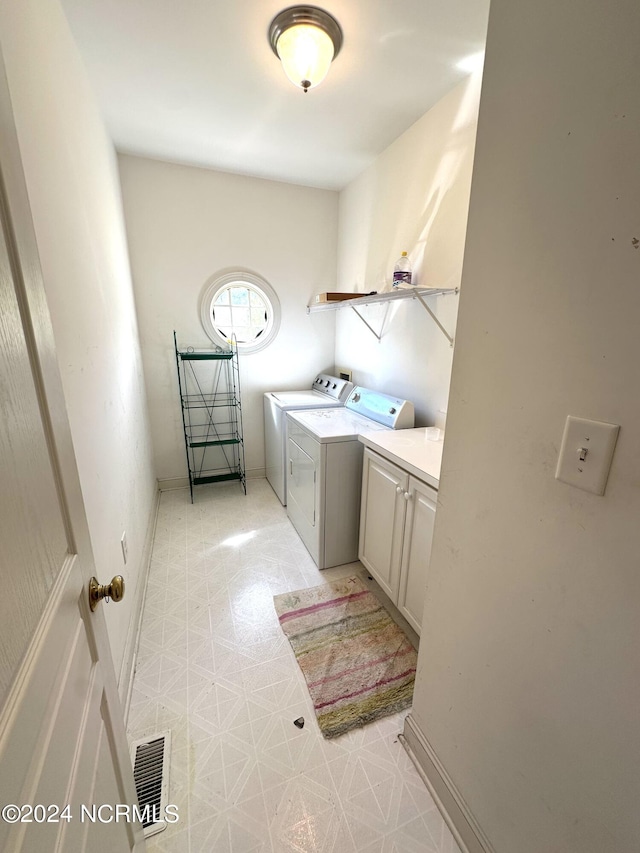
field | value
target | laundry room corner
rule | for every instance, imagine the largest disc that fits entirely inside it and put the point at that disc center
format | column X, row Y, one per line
column 185, row 226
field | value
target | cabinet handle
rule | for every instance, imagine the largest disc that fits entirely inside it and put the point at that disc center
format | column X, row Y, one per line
column 407, row 496
column 398, row 490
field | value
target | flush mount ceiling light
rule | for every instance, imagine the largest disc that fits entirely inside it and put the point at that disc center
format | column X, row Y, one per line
column 306, row 40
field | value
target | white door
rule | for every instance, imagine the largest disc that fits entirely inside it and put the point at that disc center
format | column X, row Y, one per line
column 382, row 520
column 62, row 740
column 416, row 554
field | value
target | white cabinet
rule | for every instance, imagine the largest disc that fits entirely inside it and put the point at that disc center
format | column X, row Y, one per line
column 397, row 514
column 416, row 551
column 382, row 516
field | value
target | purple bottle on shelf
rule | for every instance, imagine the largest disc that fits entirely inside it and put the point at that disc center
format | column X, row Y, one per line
column 402, row 271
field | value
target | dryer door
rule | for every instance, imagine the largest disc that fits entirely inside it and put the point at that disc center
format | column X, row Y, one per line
column 302, row 495
column 302, row 482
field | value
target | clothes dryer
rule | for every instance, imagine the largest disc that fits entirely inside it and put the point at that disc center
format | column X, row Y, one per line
column 324, row 467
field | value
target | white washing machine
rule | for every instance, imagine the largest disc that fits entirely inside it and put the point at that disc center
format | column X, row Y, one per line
column 324, row 476
column 325, row 391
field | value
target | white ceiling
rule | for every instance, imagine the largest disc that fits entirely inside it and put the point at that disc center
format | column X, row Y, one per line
column 196, row 82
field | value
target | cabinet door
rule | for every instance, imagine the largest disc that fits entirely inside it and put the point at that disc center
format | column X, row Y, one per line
column 418, row 534
column 382, row 513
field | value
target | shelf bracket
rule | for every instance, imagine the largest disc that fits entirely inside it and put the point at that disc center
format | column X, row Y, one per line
column 434, row 318
column 371, row 329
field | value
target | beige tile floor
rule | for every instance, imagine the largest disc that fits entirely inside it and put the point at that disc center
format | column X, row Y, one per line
column 214, row 668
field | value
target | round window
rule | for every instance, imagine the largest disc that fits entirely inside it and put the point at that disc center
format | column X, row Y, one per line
column 241, row 304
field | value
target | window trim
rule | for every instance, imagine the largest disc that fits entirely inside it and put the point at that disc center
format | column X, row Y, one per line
column 220, row 281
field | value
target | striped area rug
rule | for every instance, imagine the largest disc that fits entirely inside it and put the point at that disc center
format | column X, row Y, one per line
column 358, row 664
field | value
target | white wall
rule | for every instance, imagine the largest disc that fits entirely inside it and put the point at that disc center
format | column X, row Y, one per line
column 414, row 198
column 528, row 690
column 72, row 179
column 186, row 224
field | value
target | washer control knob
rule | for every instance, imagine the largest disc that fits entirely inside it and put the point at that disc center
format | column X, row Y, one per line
column 326, row 383
column 392, row 411
column 334, row 385
column 356, row 397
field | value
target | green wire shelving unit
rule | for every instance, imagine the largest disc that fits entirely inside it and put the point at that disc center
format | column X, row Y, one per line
column 209, row 384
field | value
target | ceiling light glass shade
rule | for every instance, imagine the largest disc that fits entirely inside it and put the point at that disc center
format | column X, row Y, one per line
column 306, row 53
column 306, row 39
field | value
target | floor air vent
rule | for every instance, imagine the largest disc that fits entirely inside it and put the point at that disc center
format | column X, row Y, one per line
column 150, row 758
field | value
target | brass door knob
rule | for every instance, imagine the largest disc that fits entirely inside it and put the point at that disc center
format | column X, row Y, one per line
column 98, row 591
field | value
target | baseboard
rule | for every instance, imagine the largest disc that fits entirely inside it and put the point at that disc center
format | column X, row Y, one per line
column 256, row 474
column 127, row 670
column 457, row 815
column 169, row 483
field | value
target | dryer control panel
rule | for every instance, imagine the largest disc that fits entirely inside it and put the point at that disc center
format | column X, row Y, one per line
column 332, row 386
column 389, row 411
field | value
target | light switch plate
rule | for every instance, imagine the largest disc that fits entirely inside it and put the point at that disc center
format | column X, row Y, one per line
column 586, row 453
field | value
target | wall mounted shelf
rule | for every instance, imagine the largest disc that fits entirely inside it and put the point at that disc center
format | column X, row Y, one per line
column 419, row 293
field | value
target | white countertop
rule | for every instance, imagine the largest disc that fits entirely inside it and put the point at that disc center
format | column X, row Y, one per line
column 410, row 449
